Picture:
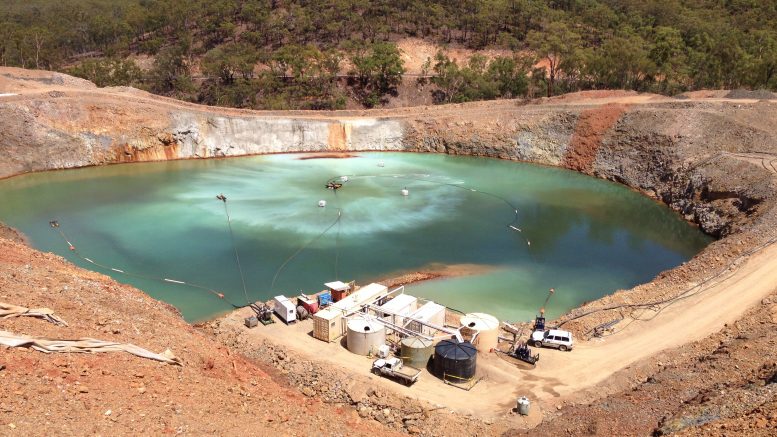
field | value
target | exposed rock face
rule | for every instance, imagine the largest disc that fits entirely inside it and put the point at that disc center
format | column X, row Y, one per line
column 676, row 152
column 200, row 137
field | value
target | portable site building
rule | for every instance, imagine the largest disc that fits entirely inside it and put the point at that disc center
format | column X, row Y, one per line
column 285, row 309
column 338, row 289
column 430, row 312
column 327, row 324
column 330, row 324
column 401, row 305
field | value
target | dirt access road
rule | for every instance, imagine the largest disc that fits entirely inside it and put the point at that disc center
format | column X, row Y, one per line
column 18, row 85
column 662, row 328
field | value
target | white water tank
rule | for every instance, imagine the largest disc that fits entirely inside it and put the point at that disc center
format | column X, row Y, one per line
column 487, row 327
column 322, row 203
column 365, row 336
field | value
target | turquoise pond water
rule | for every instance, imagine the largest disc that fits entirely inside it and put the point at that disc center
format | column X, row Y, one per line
column 587, row 237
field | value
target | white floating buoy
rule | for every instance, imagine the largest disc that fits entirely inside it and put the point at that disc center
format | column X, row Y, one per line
column 405, row 192
column 381, row 164
column 322, row 203
column 344, row 178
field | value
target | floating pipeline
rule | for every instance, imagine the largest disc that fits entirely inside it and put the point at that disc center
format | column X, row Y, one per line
column 451, row 217
column 56, row 226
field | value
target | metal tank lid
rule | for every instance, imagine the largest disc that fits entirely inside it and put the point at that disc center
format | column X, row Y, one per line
column 416, row 342
column 480, row 321
column 452, row 349
column 364, row 325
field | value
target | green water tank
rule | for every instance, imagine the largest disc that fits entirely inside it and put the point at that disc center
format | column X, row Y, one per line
column 415, row 351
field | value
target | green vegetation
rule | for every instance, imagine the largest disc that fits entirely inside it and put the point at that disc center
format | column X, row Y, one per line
column 377, row 72
column 479, row 79
column 320, row 53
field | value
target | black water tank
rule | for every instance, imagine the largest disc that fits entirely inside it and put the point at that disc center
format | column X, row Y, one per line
column 455, row 361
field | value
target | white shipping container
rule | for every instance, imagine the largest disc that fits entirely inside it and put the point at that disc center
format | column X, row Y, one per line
column 402, row 305
column 285, row 309
column 430, row 312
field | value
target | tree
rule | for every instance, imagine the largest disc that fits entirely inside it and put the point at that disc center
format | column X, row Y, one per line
column 715, row 60
column 622, row 62
column 170, row 72
column 301, row 77
column 480, row 79
column 669, row 54
column 447, row 77
column 109, row 72
column 509, row 76
column 229, row 60
column 580, row 44
column 762, row 47
column 377, row 72
column 557, row 44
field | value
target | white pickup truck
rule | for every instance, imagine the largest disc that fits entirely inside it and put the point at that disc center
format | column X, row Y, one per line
column 394, row 368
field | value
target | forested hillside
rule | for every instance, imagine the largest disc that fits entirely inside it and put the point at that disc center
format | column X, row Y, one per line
column 320, row 54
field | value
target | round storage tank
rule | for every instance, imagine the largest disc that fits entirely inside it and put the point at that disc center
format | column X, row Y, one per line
column 455, row 361
column 365, row 336
column 488, row 328
column 415, row 351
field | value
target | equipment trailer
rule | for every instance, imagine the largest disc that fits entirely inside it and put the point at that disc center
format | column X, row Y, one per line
column 394, row 367
column 523, row 353
column 519, row 349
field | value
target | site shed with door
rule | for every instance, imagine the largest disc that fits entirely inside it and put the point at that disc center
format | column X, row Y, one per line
column 328, row 324
column 338, row 289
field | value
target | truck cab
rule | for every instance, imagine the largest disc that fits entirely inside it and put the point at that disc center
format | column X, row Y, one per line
column 394, row 368
column 388, row 364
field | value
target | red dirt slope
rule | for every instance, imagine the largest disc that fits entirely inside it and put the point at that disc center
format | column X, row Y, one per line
column 215, row 392
column 588, row 134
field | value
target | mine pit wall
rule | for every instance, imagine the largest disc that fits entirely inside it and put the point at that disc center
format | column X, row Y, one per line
column 218, row 136
column 668, row 151
column 660, row 152
column 675, row 153
column 678, row 156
